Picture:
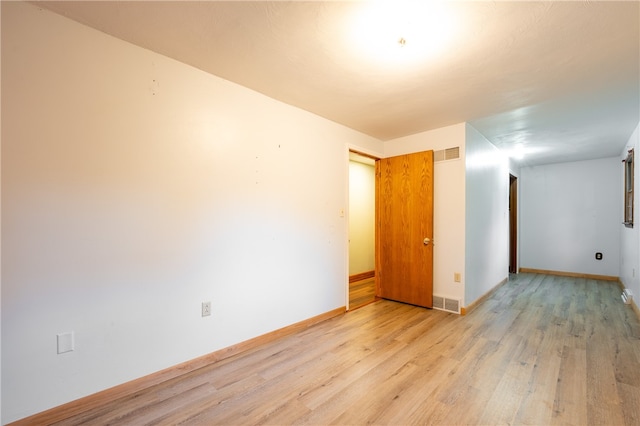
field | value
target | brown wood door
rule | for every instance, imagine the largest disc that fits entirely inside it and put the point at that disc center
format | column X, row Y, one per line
column 513, row 224
column 404, row 218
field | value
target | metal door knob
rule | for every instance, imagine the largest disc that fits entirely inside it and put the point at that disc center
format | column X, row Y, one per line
column 426, row 241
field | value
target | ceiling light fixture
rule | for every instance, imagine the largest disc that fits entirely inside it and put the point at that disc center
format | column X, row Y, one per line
column 380, row 27
column 518, row 152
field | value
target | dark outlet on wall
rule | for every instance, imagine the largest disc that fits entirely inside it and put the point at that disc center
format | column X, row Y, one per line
column 598, row 256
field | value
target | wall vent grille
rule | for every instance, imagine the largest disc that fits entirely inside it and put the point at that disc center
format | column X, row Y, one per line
column 446, row 304
column 447, row 154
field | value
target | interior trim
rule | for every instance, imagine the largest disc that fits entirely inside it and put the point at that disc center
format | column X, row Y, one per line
column 361, row 276
column 635, row 308
column 464, row 310
column 570, row 274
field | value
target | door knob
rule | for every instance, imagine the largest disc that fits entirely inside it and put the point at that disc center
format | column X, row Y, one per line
column 426, row 241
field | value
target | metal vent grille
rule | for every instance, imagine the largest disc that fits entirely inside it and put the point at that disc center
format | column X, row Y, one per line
column 452, row 153
column 447, row 154
column 446, row 304
column 438, row 302
column 452, row 305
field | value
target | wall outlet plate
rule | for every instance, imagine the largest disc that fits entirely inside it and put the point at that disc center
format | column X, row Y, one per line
column 66, row 342
column 206, row 309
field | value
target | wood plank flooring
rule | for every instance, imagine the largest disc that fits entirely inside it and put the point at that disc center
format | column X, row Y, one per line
column 541, row 350
column 362, row 293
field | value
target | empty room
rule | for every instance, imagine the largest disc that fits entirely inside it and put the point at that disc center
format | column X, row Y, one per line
column 322, row 212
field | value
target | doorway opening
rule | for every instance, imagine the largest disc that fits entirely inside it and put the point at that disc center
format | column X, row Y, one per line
column 391, row 233
column 362, row 193
column 513, row 224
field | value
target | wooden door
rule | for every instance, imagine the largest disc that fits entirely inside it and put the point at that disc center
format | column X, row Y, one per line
column 513, row 224
column 404, row 219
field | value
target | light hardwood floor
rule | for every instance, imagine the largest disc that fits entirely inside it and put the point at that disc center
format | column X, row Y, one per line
column 362, row 293
column 542, row 350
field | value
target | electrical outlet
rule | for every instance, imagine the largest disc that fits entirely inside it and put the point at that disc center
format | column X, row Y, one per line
column 457, row 277
column 66, row 342
column 206, row 309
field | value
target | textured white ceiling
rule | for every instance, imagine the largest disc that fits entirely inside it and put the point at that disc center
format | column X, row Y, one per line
column 561, row 78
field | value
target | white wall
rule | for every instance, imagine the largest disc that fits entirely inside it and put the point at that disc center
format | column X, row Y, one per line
column 449, row 201
column 135, row 187
column 487, row 216
column 570, row 211
column 362, row 208
column 629, row 241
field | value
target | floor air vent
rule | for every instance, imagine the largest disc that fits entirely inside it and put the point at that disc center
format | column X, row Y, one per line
column 446, row 154
column 445, row 304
